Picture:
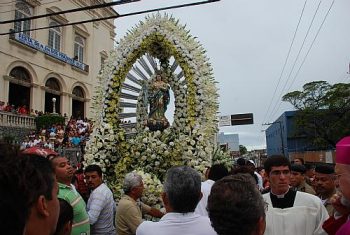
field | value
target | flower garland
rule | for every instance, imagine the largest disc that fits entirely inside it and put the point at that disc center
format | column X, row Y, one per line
column 190, row 139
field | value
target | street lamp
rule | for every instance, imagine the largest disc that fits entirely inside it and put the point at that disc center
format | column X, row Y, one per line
column 54, row 105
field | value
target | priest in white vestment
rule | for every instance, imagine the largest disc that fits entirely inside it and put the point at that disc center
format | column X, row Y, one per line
column 290, row 212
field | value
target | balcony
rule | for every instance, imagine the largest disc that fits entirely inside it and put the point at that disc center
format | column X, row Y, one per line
column 8, row 119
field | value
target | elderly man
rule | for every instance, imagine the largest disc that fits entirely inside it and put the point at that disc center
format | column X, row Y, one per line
column 101, row 206
column 215, row 173
column 64, row 174
column 297, row 180
column 325, row 185
column 181, row 194
column 227, row 198
column 28, row 198
column 342, row 171
column 290, row 212
column 130, row 209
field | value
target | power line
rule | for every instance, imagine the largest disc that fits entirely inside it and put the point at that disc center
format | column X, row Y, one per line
column 296, row 60
column 113, row 17
column 310, row 47
column 104, row 5
column 286, row 60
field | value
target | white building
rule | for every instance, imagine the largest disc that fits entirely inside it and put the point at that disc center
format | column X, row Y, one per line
column 232, row 141
column 60, row 63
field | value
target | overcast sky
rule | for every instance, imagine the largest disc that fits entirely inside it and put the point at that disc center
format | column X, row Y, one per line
column 247, row 42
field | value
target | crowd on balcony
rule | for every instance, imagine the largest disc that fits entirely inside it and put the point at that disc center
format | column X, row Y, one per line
column 21, row 109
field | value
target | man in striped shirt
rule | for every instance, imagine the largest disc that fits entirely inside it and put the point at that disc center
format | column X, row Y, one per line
column 101, row 206
column 64, row 174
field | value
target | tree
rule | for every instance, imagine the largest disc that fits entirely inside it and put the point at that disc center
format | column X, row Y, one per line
column 323, row 115
column 242, row 150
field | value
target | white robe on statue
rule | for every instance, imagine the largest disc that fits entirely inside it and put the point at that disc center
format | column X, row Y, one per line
column 304, row 218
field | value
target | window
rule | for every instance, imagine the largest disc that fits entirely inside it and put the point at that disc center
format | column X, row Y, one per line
column 23, row 10
column 55, row 34
column 78, row 92
column 21, row 74
column 53, row 84
column 79, row 45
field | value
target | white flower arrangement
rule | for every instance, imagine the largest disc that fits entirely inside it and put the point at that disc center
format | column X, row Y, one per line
column 189, row 140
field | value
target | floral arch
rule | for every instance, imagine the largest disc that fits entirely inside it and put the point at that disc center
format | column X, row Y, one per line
column 191, row 138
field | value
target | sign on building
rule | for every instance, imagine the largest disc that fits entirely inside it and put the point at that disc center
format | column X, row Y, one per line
column 236, row 119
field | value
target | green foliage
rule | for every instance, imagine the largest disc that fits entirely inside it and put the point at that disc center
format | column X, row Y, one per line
column 48, row 120
column 323, row 112
column 242, row 150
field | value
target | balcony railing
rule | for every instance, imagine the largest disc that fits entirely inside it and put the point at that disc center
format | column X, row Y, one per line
column 14, row 120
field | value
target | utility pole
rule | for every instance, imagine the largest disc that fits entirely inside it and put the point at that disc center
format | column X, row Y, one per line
column 281, row 134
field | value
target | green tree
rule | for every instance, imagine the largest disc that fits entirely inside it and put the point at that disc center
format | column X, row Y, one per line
column 242, row 150
column 323, row 115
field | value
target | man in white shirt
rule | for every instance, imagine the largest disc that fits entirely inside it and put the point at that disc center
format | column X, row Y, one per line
column 216, row 172
column 290, row 212
column 181, row 194
column 101, row 206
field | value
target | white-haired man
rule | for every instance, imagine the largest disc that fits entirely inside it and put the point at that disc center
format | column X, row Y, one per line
column 182, row 192
column 130, row 209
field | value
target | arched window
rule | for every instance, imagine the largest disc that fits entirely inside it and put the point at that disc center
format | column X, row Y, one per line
column 23, row 10
column 21, row 74
column 79, row 45
column 53, row 84
column 78, row 92
column 55, row 35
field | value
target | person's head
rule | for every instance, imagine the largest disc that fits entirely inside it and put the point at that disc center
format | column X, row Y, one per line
column 235, row 206
column 261, row 171
column 241, row 161
column 277, row 169
column 244, row 170
column 93, row 176
column 324, row 180
column 297, row 175
column 342, row 167
column 298, row 161
column 251, row 165
column 133, row 185
column 29, row 201
column 310, row 170
column 181, row 189
column 64, row 171
column 65, row 219
column 217, row 172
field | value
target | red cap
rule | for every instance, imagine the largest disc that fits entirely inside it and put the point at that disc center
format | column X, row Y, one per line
column 343, row 151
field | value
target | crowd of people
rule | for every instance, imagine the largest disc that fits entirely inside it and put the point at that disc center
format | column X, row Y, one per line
column 58, row 136
column 20, row 109
column 39, row 198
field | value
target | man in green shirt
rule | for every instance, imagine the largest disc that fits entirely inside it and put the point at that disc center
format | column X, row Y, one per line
column 64, row 173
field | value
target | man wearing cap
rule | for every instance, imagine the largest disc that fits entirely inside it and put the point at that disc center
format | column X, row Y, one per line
column 297, row 180
column 252, row 166
column 342, row 172
column 325, row 185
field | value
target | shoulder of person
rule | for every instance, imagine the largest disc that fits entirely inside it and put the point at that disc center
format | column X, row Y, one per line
column 308, row 198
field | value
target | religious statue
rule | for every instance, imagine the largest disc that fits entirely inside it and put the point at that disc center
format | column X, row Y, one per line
column 158, row 99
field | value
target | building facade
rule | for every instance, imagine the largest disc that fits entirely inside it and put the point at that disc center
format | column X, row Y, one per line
column 231, row 141
column 282, row 138
column 56, row 66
